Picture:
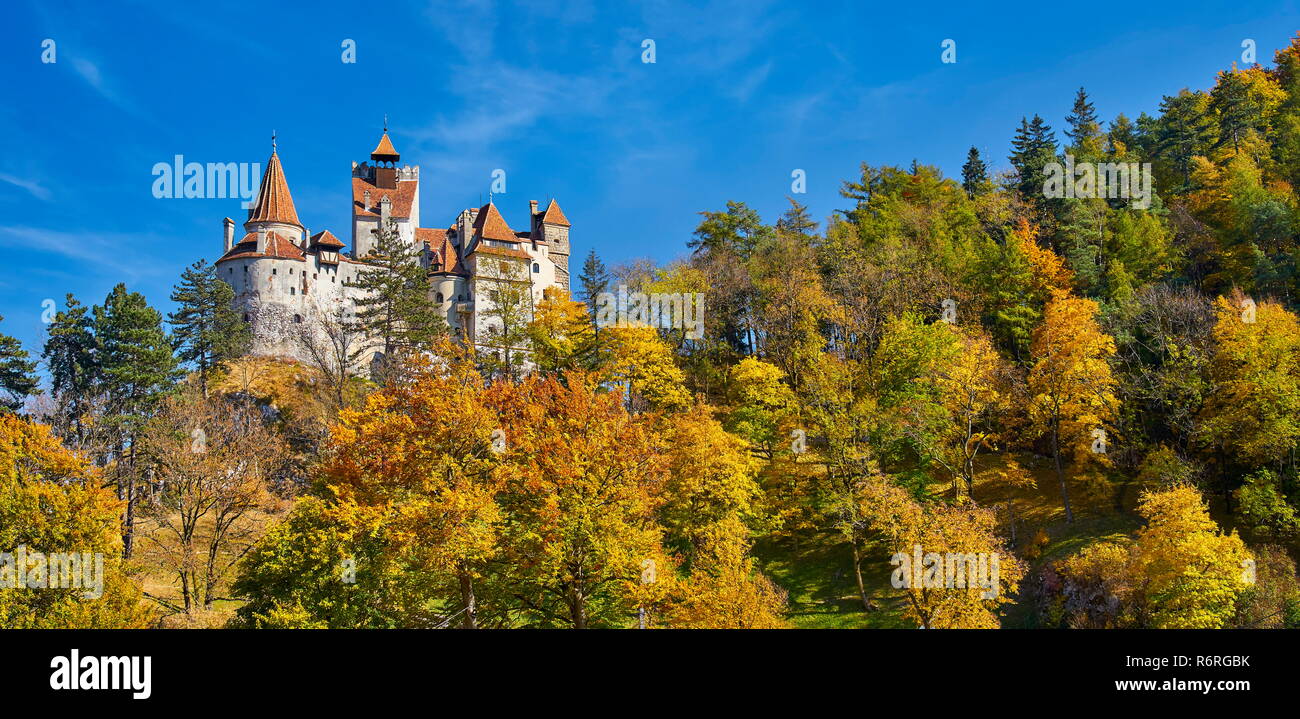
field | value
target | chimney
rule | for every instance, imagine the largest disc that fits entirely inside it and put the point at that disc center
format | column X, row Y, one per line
column 385, row 209
column 230, row 233
column 532, row 207
column 365, row 200
column 261, row 240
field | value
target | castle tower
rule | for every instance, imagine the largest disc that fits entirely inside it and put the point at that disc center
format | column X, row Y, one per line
column 381, row 192
column 555, row 233
column 273, row 210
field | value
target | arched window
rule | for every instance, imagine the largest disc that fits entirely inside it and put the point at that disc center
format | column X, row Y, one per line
column 297, row 319
column 245, row 316
column 439, row 300
column 537, row 267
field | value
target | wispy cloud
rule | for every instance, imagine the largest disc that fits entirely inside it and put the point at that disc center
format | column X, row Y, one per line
column 109, row 251
column 751, row 82
column 38, row 191
column 94, row 77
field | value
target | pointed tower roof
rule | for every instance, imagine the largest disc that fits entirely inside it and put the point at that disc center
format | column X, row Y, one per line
column 384, row 151
column 554, row 215
column 491, row 225
column 274, row 203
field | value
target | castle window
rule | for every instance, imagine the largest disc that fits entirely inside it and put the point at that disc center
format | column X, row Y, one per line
column 272, row 270
column 460, row 298
column 293, row 290
column 297, row 319
column 291, row 270
column 439, row 297
column 537, row 267
column 245, row 316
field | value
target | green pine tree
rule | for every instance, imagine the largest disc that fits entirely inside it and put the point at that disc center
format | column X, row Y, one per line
column 394, row 308
column 206, row 329
column 16, row 378
column 974, row 174
column 1033, row 147
column 1085, row 129
column 70, row 354
column 138, row 368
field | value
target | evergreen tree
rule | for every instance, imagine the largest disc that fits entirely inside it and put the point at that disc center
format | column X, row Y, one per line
column 1123, row 133
column 70, row 354
column 796, row 220
column 974, row 174
column 206, row 330
column 1085, row 129
column 1183, row 131
column 1033, row 147
column 138, row 367
column 394, row 308
column 16, row 370
column 595, row 280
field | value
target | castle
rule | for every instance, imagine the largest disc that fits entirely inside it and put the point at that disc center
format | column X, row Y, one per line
column 290, row 286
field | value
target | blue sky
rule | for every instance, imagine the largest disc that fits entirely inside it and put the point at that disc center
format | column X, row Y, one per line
column 554, row 93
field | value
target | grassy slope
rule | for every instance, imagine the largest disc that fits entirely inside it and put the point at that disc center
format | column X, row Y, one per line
column 818, row 575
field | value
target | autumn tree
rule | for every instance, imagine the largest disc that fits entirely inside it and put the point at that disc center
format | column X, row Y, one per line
column 53, row 500
column 1253, row 408
column 214, row 463
column 1181, row 571
column 1071, row 388
column 423, row 456
column 579, row 503
column 562, row 336
column 938, row 532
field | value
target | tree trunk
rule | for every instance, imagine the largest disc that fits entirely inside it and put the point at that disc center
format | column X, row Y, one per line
column 577, row 608
column 128, row 531
column 468, row 600
column 1060, row 473
column 857, row 573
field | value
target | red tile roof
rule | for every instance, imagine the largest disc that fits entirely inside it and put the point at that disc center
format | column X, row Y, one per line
column 554, row 215
column 489, row 250
column 492, row 226
column 325, row 238
column 277, row 246
column 274, row 203
column 385, row 147
column 446, row 259
column 402, row 197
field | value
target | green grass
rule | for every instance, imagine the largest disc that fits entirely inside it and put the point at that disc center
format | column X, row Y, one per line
column 818, row 574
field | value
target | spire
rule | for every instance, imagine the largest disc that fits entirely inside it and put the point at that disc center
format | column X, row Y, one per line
column 384, row 151
column 554, row 215
column 274, row 203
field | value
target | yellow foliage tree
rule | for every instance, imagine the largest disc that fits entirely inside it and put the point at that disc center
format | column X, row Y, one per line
column 1071, row 387
column 54, row 501
column 953, row 594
